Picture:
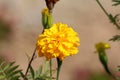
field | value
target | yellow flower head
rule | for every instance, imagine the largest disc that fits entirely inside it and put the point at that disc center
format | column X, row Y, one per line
column 59, row 41
column 102, row 46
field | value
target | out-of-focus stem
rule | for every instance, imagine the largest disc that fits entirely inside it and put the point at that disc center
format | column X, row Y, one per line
column 50, row 69
column 111, row 18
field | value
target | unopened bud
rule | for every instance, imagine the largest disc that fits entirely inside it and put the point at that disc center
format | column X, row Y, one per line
column 50, row 4
column 45, row 14
column 46, row 19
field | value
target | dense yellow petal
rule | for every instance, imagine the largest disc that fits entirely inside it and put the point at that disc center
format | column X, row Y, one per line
column 59, row 41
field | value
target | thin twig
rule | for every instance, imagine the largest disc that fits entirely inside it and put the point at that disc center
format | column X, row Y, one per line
column 30, row 64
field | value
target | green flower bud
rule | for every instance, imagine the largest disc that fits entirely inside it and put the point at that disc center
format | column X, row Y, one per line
column 100, row 48
column 45, row 14
column 46, row 19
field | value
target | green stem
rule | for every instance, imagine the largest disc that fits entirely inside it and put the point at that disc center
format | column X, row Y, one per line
column 112, row 19
column 104, row 61
column 59, row 67
column 102, row 7
column 50, row 69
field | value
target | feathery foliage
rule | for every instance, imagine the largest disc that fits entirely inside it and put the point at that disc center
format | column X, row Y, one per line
column 9, row 72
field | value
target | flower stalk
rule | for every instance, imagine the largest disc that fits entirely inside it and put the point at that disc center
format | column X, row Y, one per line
column 59, row 64
column 100, row 48
column 50, row 69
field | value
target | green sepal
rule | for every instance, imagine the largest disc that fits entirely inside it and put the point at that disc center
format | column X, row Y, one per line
column 44, row 20
column 49, row 21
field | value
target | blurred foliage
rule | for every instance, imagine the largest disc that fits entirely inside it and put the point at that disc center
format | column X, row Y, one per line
column 113, row 19
column 117, row 2
column 8, row 71
column 4, row 30
column 41, row 74
column 115, row 38
column 99, row 76
column 118, row 68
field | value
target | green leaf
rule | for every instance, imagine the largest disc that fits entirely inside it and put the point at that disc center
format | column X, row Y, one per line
column 22, row 75
column 32, row 72
column 12, row 69
column 6, row 67
column 14, row 73
column 113, row 20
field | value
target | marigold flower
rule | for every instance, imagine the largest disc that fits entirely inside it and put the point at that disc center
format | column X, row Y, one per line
column 59, row 41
